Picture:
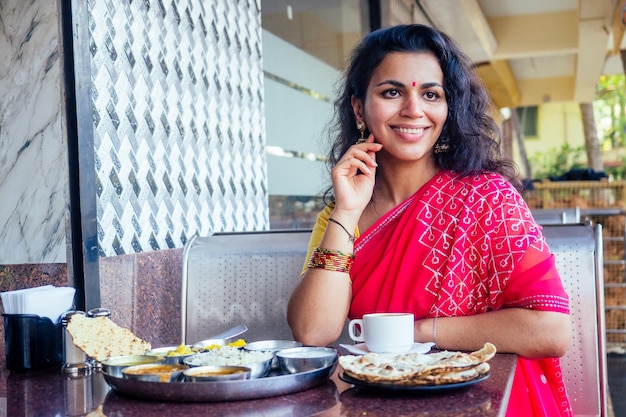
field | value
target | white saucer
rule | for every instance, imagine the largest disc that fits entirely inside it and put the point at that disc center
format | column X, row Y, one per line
column 361, row 349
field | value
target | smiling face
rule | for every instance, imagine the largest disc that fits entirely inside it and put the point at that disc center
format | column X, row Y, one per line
column 405, row 105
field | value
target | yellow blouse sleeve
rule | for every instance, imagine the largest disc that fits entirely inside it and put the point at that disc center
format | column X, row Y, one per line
column 318, row 232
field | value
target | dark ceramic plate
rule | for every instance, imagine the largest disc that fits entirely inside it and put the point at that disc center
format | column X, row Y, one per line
column 394, row 387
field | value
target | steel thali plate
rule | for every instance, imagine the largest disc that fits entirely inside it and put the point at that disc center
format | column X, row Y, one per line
column 213, row 391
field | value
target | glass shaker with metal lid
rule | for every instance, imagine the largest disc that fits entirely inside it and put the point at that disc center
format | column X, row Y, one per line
column 97, row 312
column 75, row 361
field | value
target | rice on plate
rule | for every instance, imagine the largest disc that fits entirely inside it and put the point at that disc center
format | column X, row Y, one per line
column 228, row 356
column 258, row 361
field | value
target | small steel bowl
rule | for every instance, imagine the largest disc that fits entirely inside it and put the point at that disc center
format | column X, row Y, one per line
column 272, row 346
column 302, row 359
column 257, row 369
column 159, row 372
column 216, row 373
column 169, row 354
column 114, row 366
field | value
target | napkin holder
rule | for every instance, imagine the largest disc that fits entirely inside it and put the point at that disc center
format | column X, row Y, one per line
column 32, row 342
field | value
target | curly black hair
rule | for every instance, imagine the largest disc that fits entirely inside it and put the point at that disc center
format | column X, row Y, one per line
column 471, row 133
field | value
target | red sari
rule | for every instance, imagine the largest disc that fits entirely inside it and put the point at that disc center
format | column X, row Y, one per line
column 461, row 246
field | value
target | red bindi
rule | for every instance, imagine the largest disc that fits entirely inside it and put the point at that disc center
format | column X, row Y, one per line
column 413, row 83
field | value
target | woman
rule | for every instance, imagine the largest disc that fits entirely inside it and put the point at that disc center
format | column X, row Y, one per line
column 416, row 168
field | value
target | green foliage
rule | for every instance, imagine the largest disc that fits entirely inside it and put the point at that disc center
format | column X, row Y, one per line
column 610, row 111
column 556, row 162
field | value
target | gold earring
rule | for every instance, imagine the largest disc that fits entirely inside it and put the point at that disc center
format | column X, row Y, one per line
column 360, row 125
column 440, row 147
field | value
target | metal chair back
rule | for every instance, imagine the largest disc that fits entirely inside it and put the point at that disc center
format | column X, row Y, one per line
column 241, row 278
column 578, row 251
column 557, row 216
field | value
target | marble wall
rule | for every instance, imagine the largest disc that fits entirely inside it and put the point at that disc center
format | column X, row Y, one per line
column 143, row 292
column 33, row 147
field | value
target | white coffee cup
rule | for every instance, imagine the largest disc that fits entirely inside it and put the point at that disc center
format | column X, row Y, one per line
column 384, row 332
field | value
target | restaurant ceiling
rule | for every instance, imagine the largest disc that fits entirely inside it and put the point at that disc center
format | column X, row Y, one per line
column 535, row 51
column 528, row 52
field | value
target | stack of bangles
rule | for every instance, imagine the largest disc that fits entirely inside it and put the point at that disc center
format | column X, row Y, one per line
column 331, row 260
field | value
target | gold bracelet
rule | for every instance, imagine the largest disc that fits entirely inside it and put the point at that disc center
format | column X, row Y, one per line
column 331, row 260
